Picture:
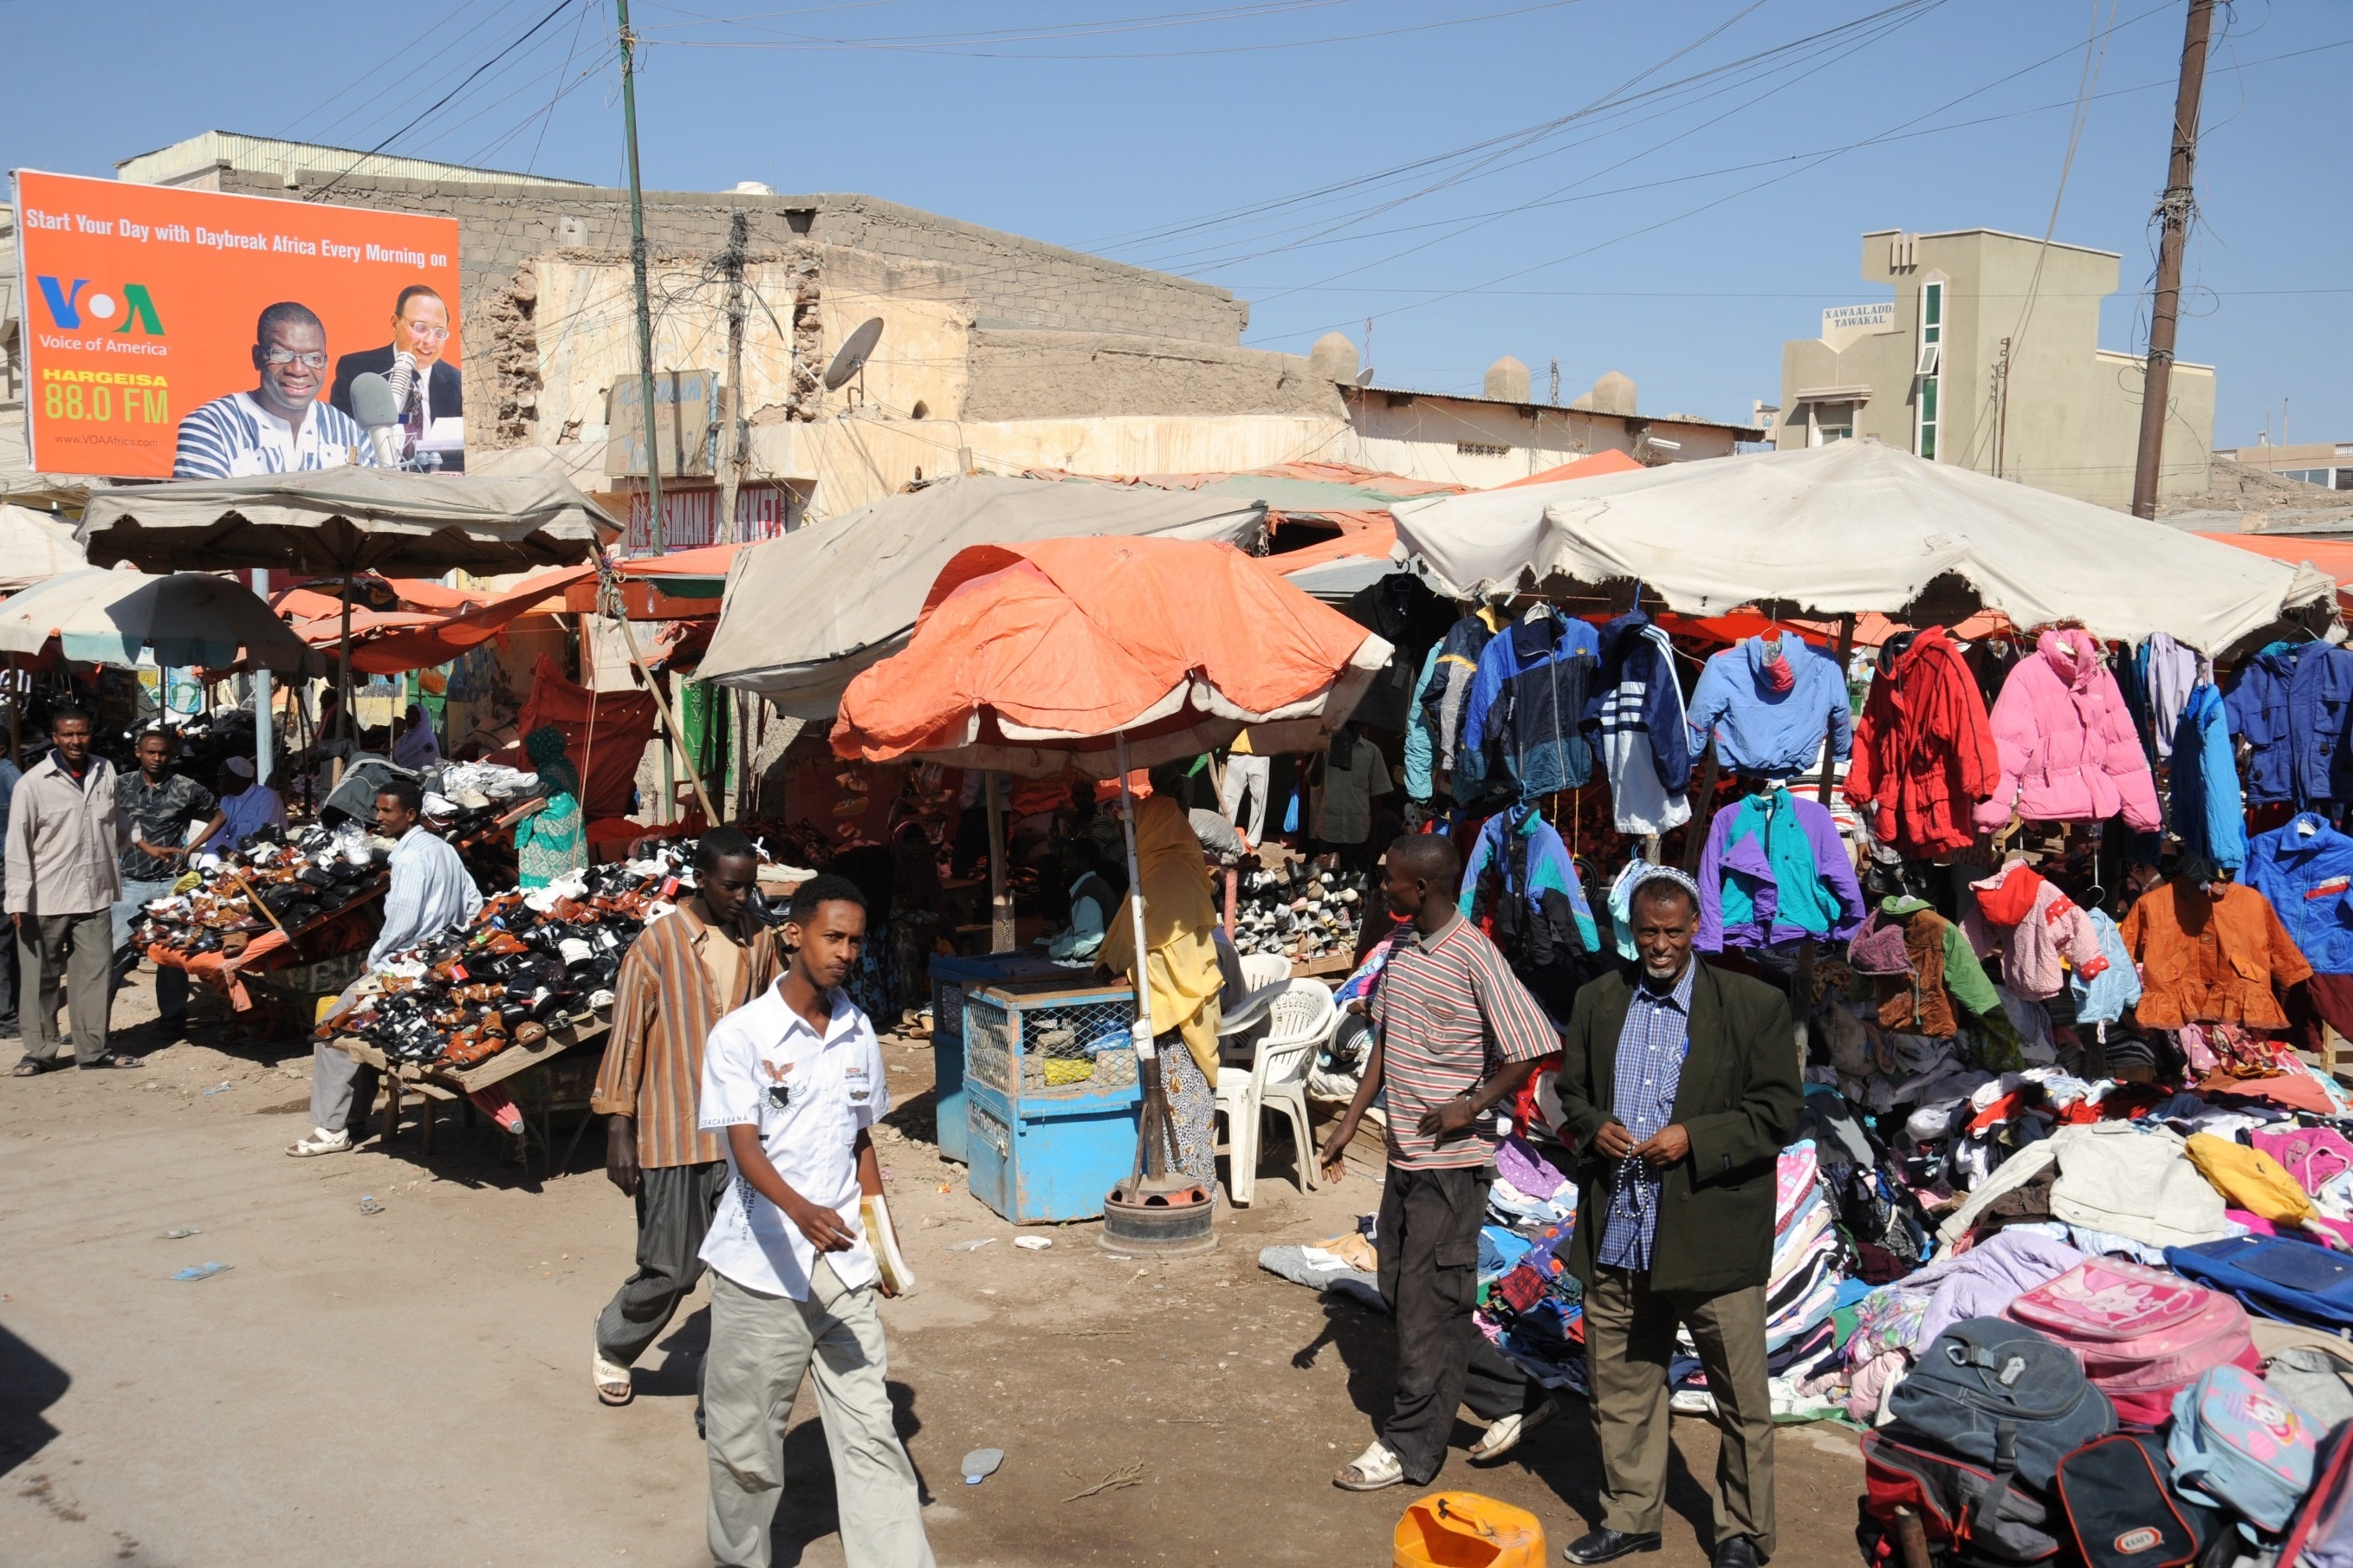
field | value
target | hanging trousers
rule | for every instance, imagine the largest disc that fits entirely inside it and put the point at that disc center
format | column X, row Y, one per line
column 1246, row 775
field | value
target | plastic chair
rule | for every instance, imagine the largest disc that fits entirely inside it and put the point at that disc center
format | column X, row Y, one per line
column 1260, row 970
column 1299, row 1017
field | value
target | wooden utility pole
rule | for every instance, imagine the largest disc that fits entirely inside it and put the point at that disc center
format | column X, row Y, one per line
column 733, row 456
column 654, row 531
column 2173, row 210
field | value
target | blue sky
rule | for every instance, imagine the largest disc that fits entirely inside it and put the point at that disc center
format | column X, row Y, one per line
column 1668, row 189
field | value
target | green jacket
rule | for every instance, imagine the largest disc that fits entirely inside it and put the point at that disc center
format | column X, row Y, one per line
column 1739, row 1101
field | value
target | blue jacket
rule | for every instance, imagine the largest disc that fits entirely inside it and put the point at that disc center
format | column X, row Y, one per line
column 2291, row 703
column 1634, row 692
column 2305, row 870
column 1527, row 705
column 1764, row 734
column 1421, row 733
column 2206, row 809
column 1448, row 695
column 1549, row 869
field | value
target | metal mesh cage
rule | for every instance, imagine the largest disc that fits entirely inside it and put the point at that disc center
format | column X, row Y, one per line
column 947, row 1007
column 990, row 1043
column 1081, row 1048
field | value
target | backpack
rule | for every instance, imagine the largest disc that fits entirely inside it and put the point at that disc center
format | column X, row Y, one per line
column 2277, row 1277
column 2315, row 1156
column 2001, row 1395
column 2141, row 1333
column 2322, row 1534
column 2120, row 1507
column 2237, row 1444
column 1970, row 1514
column 2249, row 1179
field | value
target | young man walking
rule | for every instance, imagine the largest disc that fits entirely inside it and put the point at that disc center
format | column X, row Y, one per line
column 794, row 1081
column 1454, row 1035
column 1679, row 1084
column 65, row 834
column 157, row 806
column 688, row 969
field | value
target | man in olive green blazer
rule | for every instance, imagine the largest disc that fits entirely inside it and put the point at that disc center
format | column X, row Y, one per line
column 1679, row 1086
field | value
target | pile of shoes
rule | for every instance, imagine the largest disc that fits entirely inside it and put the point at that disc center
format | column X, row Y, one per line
column 1303, row 909
column 529, row 964
column 296, row 878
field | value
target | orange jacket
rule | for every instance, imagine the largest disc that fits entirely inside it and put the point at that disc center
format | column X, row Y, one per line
column 1924, row 751
column 2205, row 959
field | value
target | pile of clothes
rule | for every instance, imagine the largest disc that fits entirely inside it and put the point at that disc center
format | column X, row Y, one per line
column 1303, row 909
column 530, row 963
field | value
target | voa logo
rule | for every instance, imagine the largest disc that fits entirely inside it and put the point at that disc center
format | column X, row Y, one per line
column 69, row 305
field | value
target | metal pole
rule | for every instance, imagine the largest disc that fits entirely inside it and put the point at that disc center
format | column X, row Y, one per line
column 638, row 263
column 1147, row 1060
column 265, row 740
column 731, row 472
column 2173, row 211
column 1001, row 891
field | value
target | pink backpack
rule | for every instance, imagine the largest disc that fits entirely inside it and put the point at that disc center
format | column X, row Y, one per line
column 2315, row 1156
column 2141, row 1333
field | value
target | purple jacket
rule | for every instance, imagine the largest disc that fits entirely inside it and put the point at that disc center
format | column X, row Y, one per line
column 1986, row 1278
column 1776, row 871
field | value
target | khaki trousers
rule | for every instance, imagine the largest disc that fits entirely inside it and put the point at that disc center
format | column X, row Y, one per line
column 1630, row 1333
column 760, row 1347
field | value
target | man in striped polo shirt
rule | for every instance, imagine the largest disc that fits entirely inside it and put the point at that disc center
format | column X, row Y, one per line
column 684, row 973
column 281, row 427
column 1454, row 1035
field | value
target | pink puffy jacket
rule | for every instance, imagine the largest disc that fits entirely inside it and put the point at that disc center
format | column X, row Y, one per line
column 2068, row 750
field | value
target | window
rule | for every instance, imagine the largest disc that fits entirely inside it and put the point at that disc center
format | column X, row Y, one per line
column 1930, row 370
column 1480, row 449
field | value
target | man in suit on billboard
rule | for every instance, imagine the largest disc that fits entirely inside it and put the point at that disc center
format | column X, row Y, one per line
column 420, row 328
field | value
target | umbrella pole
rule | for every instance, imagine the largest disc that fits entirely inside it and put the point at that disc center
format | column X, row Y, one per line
column 15, row 702
column 265, row 744
column 1153, row 1132
column 343, row 687
column 1000, row 895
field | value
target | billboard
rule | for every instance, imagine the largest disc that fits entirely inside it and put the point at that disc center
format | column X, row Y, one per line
column 169, row 332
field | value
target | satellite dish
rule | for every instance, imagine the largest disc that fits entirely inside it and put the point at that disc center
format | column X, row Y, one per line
column 1365, row 377
column 850, row 358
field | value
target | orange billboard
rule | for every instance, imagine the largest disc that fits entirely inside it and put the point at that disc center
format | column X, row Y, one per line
column 192, row 334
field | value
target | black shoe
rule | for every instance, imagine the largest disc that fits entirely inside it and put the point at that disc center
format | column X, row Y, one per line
column 1609, row 1545
column 1734, row 1552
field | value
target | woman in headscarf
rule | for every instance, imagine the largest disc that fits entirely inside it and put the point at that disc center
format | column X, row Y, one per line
column 246, row 805
column 552, row 843
column 1181, row 967
column 416, row 748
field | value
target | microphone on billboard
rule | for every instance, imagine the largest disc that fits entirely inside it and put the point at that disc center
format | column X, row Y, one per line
column 403, row 378
column 378, row 408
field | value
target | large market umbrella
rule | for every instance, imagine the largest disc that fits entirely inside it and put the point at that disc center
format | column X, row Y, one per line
column 1849, row 528
column 1101, row 655
column 184, row 618
column 35, row 546
column 807, row 612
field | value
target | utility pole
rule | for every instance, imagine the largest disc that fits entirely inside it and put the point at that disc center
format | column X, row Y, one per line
column 2173, row 211
column 1556, row 384
column 2001, row 407
column 730, row 473
column 655, row 530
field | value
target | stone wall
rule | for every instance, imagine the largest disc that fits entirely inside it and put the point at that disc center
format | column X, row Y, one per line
column 1020, row 374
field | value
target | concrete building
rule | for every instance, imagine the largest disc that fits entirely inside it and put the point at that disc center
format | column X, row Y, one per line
column 2328, row 464
column 998, row 352
column 1988, row 355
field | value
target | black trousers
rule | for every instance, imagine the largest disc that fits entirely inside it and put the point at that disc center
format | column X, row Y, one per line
column 1429, row 1241
column 675, row 1203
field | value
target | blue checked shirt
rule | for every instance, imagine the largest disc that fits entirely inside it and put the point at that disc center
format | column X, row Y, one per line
column 1651, row 1050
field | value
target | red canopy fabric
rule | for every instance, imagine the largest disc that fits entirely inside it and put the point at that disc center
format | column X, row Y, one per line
column 2333, row 556
column 1030, row 658
column 392, row 642
column 1609, row 462
column 605, row 734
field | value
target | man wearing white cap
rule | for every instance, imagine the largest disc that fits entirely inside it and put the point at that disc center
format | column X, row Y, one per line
column 246, row 806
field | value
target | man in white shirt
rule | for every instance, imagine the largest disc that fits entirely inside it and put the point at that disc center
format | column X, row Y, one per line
column 431, row 891
column 794, row 1080
column 281, row 427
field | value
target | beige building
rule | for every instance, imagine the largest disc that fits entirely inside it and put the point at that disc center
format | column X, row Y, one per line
column 1988, row 355
column 2328, row 464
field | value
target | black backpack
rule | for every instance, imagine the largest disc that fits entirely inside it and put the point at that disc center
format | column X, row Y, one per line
column 2118, row 1495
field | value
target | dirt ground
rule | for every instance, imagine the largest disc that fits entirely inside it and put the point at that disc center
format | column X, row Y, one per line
column 412, row 1387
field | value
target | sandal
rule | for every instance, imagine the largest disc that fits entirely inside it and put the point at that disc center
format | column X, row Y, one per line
column 111, row 1059
column 1370, row 1471
column 612, row 1384
column 28, row 1067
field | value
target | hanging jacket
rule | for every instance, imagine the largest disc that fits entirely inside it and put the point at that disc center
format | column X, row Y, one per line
column 2169, row 674
column 1775, row 871
column 1924, row 751
column 2185, row 980
column 2065, row 741
column 1764, row 734
column 1421, row 731
column 2102, row 998
column 2206, row 810
column 1447, row 697
column 1635, row 721
column 1942, row 970
column 2305, row 870
column 2291, row 703
column 1527, row 706
column 2033, row 926
column 1522, row 879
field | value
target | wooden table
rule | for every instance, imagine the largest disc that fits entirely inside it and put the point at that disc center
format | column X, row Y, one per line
column 435, row 1085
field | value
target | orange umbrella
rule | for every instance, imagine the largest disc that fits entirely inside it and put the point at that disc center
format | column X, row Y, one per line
column 1104, row 653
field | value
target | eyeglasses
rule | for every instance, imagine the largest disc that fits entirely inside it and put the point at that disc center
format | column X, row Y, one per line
column 315, row 361
column 434, row 334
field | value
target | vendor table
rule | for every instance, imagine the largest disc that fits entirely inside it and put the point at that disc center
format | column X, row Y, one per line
column 435, row 1085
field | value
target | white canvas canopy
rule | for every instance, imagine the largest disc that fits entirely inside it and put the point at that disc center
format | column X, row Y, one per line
column 806, row 613
column 35, row 546
column 1850, row 528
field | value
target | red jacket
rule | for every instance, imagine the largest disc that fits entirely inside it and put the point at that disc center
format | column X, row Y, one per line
column 1924, row 752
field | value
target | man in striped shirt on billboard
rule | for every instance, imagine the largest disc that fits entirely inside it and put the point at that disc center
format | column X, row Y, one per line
column 687, row 970
column 281, row 427
column 1454, row 1035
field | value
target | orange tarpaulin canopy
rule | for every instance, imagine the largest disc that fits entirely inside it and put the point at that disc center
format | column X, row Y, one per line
column 1030, row 658
column 2333, row 556
column 1372, row 541
column 1599, row 463
column 392, row 642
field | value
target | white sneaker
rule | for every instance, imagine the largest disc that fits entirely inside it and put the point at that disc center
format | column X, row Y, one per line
column 1371, row 1470
column 321, row 1142
column 1504, row 1434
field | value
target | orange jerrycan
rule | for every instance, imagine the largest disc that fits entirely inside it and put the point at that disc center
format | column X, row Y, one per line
column 1463, row 1530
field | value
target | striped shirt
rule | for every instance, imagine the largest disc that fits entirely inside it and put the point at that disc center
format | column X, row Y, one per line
column 1650, row 1051
column 1450, row 1012
column 664, row 1008
column 236, row 436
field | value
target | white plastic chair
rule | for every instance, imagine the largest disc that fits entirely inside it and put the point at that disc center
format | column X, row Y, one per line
column 1299, row 1018
column 1260, row 970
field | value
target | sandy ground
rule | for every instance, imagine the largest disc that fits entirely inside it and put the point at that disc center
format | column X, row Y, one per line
column 411, row 1386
